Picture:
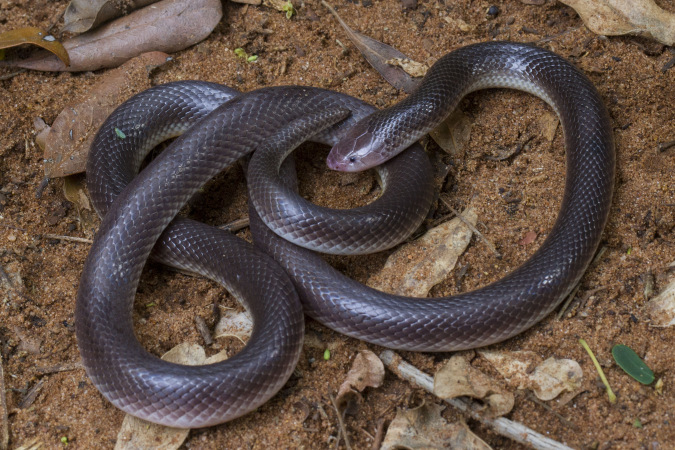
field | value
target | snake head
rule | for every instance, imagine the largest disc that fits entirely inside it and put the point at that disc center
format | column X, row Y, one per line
column 359, row 149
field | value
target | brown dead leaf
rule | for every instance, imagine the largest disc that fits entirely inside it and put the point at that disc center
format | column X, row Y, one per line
column 458, row 378
column 167, row 26
column 82, row 15
column 453, row 133
column 35, row 36
column 137, row 433
column 377, row 53
column 367, row 371
column 529, row 238
column 548, row 123
column 67, row 142
column 427, row 261
column 424, row 428
column 661, row 309
column 525, row 370
column 75, row 191
column 617, row 17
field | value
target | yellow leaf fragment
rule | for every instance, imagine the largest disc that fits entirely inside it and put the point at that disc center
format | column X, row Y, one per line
column 412, row 68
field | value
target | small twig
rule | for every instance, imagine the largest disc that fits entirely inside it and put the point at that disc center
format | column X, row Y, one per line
column 203, row 330
column 552, row 411
column 379, row 434
column 68, row 238
column 11, row 75
column 4, row 426
column 65, row 367
column 485, row 240
column 31, row 394
column 550, row 38
column 567, row 303
column 236, row 225
column 663, row 146
column 513, row 430
column 42, row 187
column 341, row 425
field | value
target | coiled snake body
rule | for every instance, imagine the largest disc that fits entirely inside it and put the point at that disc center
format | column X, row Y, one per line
column 139, row 212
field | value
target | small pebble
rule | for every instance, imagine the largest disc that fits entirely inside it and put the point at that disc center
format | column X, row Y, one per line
column 493, row 11
column 11, row 238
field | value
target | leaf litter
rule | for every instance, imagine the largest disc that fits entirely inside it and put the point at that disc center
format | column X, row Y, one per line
column 66, row 143
column 167, row 26
column 82, row 15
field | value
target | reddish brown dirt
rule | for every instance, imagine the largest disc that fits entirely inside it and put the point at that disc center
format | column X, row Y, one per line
column 36, row 315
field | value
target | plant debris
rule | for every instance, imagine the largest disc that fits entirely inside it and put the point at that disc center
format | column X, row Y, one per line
column 458, row 378
column 424, row 428
column 367, row 371
column 82, row 15
column 617, row 17
column 35, row 36
column 428, row 259
column 527, row 370
column 66, row 144
column 167, row 26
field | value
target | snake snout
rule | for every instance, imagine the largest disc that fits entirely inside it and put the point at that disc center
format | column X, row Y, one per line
column 358, row 150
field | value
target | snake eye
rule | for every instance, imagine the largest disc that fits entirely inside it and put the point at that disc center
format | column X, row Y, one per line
column 352, row 159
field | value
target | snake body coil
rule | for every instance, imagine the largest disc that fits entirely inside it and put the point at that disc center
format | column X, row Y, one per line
column 139, row 210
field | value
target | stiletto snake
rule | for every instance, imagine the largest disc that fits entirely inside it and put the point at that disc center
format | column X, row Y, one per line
column 139, row 212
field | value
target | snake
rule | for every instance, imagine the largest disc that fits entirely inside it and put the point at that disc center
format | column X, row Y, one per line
column 217, row 126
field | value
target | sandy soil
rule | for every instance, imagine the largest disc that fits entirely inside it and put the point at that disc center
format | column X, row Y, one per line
column 50, row 397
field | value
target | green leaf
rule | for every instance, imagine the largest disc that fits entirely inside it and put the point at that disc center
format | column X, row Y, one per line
column 120, row 134
column 632, row 364
column 326, row 354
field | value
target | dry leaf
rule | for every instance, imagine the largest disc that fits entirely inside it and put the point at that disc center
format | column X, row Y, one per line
column 424, row 428
column 453, row 133
column 67, row 142
column 458, row 378
column 661, row 309
column 525, row 370
column 427, row 261
column 234, row 323
column 75, row 191
column 82, row 15
column 35, row 36
column 617, row 17
column 167, row 26
column 377, row 53
column 137, row 433
column 367, row 371
column 548, row 123
column 529, row 238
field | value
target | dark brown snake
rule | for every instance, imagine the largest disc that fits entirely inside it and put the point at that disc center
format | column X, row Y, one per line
column 140, row 211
